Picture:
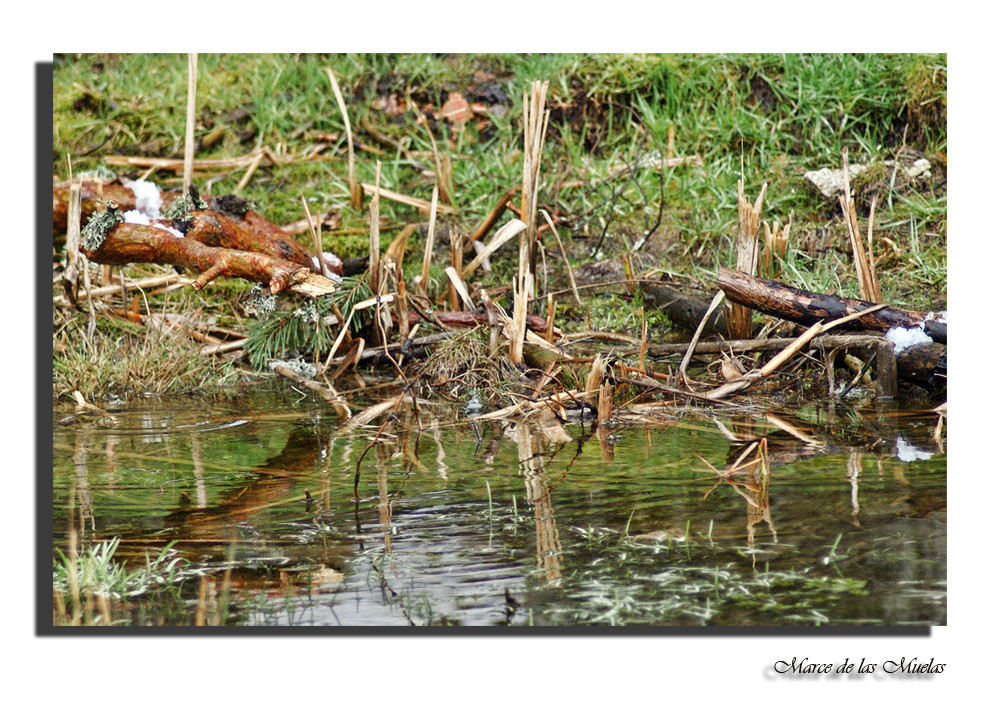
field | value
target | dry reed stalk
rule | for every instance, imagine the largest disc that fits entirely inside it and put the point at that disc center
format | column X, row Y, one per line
column 71, row 276
column 562, row 251
column 345, row 325
column 550, row 321
column 604, row 405
column 373, row 233
column 425, row 268
column 505, row 234
column 487, row 223
column 738, row 319
column 192, row 88
column 401, row 306
column 223, row 347
column 671, row 135
column 455, row 246
column 535, row 122
column 868, row 286
column 204, row 164
column 519, row 320
column 596, row 375
column 629, row 273
column 782, row 357
column 423, row 205
column 775, row 248
column 457, row 285
column 442, row 167
column 877, row 287
column 352, row 181
column 642, row 342
column 315, row 237
column 716, row 301
column 249, row 174
column 202, row 606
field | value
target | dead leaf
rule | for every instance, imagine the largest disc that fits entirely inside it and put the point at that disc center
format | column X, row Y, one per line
column 456, row 109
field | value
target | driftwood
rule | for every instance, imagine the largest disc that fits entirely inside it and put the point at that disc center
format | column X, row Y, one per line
column 137, row 243
column 228, row 222
column 806, row 308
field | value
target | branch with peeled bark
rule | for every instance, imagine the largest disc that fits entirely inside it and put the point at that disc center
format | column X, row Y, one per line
column 228, row 222
column 137, row 243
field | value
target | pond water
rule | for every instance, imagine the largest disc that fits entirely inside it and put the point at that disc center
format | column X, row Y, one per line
column 283, row 516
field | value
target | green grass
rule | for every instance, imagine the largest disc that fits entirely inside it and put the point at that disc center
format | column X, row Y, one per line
column 769, row 117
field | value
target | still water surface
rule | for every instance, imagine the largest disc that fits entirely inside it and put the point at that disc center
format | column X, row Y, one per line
column 288, row 518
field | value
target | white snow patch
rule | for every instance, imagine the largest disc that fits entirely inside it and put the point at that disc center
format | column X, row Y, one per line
column 135, row 217
column 907, row 453
column 147, row 197
column 903, row 337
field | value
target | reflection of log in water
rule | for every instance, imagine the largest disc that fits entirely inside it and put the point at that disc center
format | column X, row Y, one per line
column 199, row 529
column 530, row 445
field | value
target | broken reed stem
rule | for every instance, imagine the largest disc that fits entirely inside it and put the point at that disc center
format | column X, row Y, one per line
column 72, row 275
column 455, row 246
column 425, row 268
column 868, row 288
column 352, row 181
column 189, row 126
column 716, row 301
column 250, row 171
column 738, row 320
column 519, row 320
column 373, row 233
column 550, row 321
column 457, row 286
column 535, row 122
column 604, row 405
column 317, row 242
column 505, row 234
column 491, row 218
column 562, row 251
column 642, row 341
column 876, row 286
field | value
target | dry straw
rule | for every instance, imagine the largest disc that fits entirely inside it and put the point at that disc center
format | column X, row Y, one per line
column 864, row 264
column 352, row 181
column 738, row 319
column 189, row 126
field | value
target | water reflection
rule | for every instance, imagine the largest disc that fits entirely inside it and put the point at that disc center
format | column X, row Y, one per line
column 427, row 517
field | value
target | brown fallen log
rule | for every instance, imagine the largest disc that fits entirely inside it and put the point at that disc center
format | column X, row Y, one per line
column 683, row 311
column 136, row 243
column 807, row 308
